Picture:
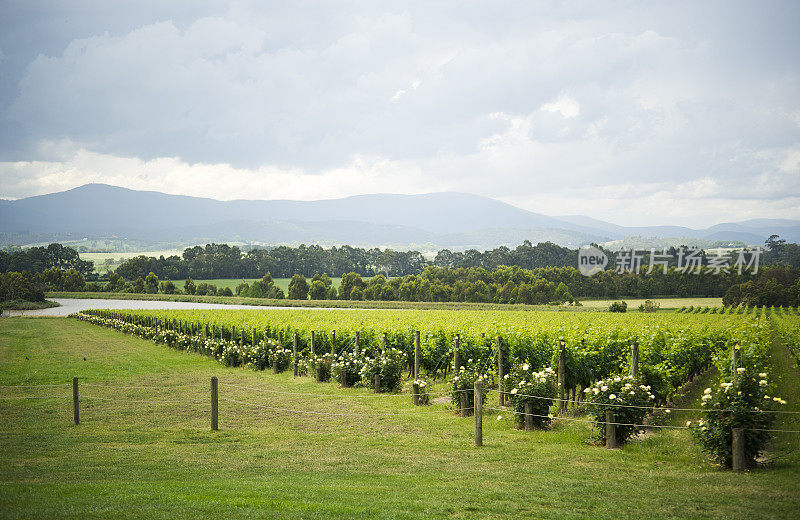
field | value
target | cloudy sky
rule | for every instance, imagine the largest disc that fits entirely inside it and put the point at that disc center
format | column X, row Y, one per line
column 632, row 112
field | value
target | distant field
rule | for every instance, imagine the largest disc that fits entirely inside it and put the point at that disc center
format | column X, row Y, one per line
column 666, row 303
column 283, row 283
column 101, row 264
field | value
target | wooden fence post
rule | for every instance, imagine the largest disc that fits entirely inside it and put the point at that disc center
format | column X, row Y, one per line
column 377, row 383
column 333, row 342
column 562, row 403
column 214, row 404
column 735, row 360
column 415, row 393
column 528, row 416
column 313, row 352
column 478, row 413
column 275, row 355
column 500, row 381
column 416, row 355
column 358, row 338
column 635, row 360
column 611, row 431
column 294, row 355
column 456, row 359
column 462, row 401
column 385, row 342
column 76, row 414
column 737, row 446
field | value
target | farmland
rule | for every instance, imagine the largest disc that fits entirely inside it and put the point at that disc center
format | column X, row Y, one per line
column 148, row 450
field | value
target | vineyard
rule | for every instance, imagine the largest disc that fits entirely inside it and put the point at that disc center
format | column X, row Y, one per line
column 673, row 348
column 307, row 447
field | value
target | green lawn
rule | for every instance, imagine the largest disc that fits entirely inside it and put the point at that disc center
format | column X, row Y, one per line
column 148, row 450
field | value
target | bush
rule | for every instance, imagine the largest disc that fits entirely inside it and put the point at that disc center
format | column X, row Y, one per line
column 739, row 404
column 619, row 306
column 536, row 388
column 347, row 369
column 20, row 286
column 634, row 397
column 225, row 292
column 650, row 306
column 324, row 363
column 281, row 358
column 424, row 396
column 464, row 382
column 389, row 365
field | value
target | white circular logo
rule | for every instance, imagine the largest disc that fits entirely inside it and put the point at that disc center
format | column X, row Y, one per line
column 591, row 260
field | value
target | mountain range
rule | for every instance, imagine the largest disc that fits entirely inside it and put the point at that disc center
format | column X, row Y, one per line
column 430, row 221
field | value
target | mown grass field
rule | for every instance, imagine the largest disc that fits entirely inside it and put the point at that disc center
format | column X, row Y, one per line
column 147, row 451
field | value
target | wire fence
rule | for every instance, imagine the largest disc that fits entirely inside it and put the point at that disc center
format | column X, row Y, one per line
column 416, row 411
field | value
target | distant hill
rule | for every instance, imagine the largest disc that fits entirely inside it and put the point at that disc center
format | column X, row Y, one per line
column 430, row 221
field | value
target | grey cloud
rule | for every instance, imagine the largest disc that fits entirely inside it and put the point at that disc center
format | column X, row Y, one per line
column 667, row 93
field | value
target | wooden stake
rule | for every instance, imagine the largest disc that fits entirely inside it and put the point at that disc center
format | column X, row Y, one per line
column 562, row 403
column 76, row 414
column 294, row 355
column 501, row 382
column 416, row 354
column 528, row 416
column 611, row 431
column 478, row 413
column 635, row 360
column 415, row 393
column 214, row 404
column 737, row 441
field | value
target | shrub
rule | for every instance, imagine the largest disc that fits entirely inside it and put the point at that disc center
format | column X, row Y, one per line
column 649, row 306
column 424, row 396
column 347, row 368
column 634, row 398
column 536, row 388
column 324, row 363
column 738, row 404
column 619, row 306
column 225, row 292
column 389, row 365
column 464, row 382
column 281, row 358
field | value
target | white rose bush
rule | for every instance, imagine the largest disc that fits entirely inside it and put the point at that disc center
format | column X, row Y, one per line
column 389, row 365
column 627, row 398
column 464, row 383
column 538, row 388
column 346, row 368
column 744, row 403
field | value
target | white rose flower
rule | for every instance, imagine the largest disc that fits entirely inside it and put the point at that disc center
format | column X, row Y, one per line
column 525, row 366
column 604, row 388
column 612, row 396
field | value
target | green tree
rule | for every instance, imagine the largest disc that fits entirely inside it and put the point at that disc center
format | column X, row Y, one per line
column 138, row 286
column 189, row 286
column 298, row 288
column 168, row 287
column 318, row 290
column 151, row 283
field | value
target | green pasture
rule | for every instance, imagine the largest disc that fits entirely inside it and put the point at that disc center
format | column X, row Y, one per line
column 144, row 448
